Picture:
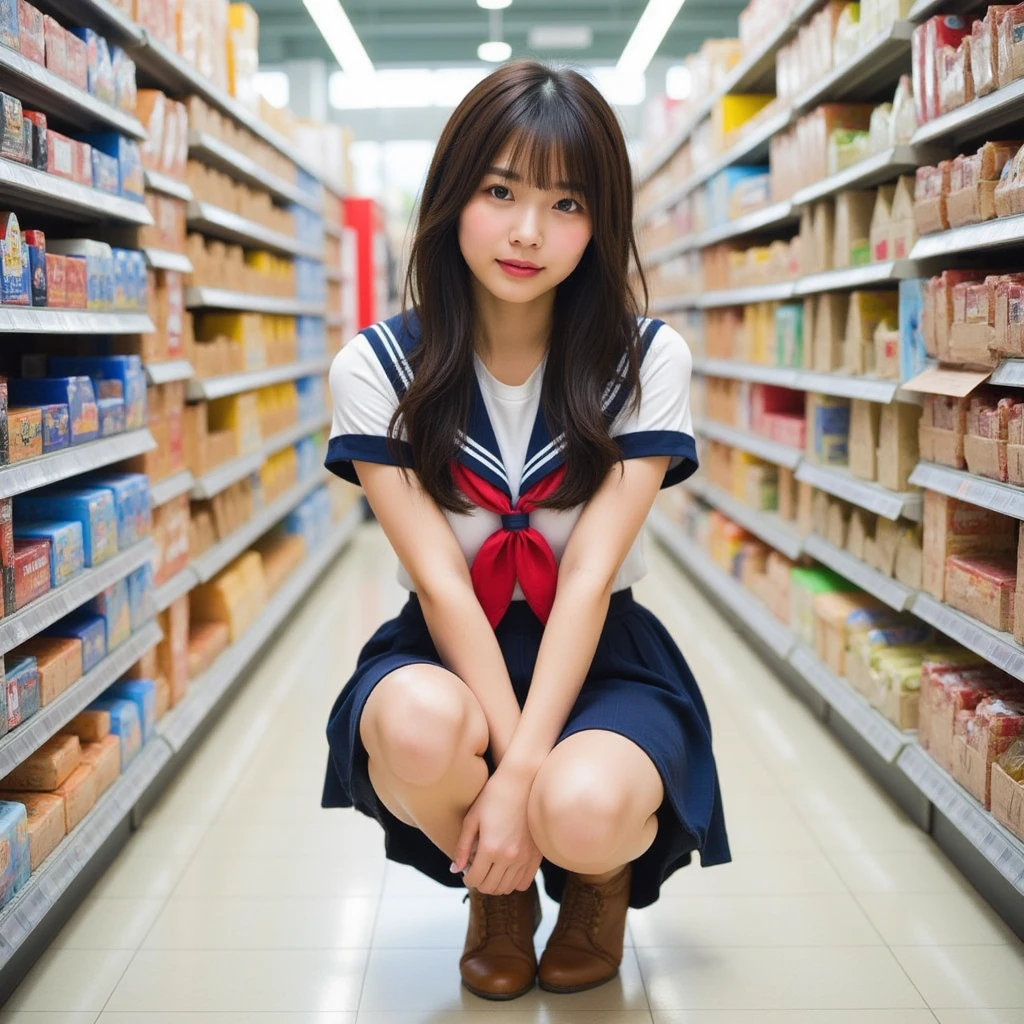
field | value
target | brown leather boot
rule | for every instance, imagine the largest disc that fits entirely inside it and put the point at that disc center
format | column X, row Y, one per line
column 585, row 949
column 499, row 961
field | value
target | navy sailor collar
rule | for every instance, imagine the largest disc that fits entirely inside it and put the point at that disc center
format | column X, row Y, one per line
column 394, row 340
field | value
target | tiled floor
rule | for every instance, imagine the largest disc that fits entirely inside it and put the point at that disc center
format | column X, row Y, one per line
column 240, row 900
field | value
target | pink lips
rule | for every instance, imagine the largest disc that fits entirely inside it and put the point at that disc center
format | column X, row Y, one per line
column 519, row 268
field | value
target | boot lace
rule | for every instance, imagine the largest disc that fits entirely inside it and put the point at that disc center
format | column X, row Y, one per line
column 497, row 916
column 582, row 907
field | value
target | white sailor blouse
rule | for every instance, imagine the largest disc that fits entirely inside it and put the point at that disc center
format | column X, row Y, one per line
column 508, row 461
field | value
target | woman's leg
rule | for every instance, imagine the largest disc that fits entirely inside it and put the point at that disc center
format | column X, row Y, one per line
column 593, row 803
column 426, row 735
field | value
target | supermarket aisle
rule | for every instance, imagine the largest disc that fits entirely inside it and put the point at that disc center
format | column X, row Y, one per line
column 241, row 894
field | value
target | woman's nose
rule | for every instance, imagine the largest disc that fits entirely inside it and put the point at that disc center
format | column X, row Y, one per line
column 526, row 230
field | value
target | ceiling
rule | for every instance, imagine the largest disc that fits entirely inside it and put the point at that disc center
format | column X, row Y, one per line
column 449, row 31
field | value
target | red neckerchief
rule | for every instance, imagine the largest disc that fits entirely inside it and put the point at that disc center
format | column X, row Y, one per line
column 516, row 552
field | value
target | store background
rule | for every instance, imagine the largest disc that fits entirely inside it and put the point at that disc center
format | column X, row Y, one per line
column 225, row 198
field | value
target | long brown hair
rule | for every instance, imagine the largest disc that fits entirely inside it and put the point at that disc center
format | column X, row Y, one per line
column 560, row 128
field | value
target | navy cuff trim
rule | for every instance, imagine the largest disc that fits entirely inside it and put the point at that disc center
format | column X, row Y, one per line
column 645, row 443
column 341, row 451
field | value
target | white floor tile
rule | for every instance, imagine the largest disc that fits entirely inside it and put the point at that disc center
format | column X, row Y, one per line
column 218, row 980
column 242, row 901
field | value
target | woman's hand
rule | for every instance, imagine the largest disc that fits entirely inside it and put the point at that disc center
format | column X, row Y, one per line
column 495, row 850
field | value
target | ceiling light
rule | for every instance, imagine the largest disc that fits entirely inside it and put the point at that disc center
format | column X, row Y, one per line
column 494, row 51
column 560, row 37
column 678, row 82
column 494, row 5
column 650, row 30
column 332, row 21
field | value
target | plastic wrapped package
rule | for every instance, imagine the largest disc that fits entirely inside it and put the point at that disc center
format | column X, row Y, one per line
column 847, row 37
column 956, row 85
column 984, row 46
column 1010, row 32
column 1012, row 760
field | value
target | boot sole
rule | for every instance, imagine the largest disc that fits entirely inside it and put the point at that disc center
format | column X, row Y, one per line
column 498, row 997
column 570, row 989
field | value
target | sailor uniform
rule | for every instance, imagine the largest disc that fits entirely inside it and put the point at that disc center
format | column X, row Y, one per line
column 638, row 685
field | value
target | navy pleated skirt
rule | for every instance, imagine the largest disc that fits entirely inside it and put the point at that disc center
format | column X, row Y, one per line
column 638, row 686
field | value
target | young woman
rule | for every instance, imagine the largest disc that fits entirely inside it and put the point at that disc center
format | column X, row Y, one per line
column 511, row 433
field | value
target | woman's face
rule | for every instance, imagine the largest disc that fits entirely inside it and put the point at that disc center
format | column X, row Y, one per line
column 520, row 241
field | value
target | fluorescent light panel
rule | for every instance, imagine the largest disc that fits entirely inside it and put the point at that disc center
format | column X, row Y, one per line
column 494, row 51
column 332, row 21
column 650, row 30
column 494, row 5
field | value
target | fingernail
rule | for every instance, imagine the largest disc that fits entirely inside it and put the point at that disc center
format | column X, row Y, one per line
column 454, row 868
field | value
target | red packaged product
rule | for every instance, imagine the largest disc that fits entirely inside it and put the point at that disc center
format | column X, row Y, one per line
column 31, row 570
column 60, row 155
column 78, row 62
column 56, row 45
column 31, row 32
column 82, row 162
column 942, row 31
column 56, row 283
column 75, row 278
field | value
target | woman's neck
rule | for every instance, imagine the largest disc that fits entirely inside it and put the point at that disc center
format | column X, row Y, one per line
column 511, row 338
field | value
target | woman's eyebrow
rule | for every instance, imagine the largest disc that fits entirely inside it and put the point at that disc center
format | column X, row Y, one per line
column 509, row 175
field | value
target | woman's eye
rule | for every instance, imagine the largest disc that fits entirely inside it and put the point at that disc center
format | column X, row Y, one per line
column 499, row 192
column 567, row 206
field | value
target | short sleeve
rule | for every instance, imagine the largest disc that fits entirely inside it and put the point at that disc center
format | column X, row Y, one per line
column 364, row 402
column 662, row 424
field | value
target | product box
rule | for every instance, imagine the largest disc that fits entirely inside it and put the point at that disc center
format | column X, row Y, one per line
column 92, row 507
column 126, row 369
column 24, row 673
column 60, row 155
column 31, row 33
column 898, row 451
column 15, row 274
column 76, row 282
column 56, row 427
column 1007, row 800
column 851, row 244
column 112, row 416
column 126, row 152
column 55, row 38
column 881, row 224
column 125, row 724
column 90, row 629
column 78, row 61
column 76, row 392
column 89, row 726
column 12, row 128
column 828, row 429
column 99, row 66
column 40, row 157
column 953, row 527
column 104, row 757
column 173, row 651
column 78, row 792
column 132, row 504
column 59, row 661
column 31, row 570
column 25, row 433
column 56, row 283
column 67, row 552
column 15, row 858
column 864, row 439
column 47, row 768
column 112, row 604
column 983, row 587
column 7, row 554
column 141, row 599
column 36, row 244
column 142, row 692
column 45, row 822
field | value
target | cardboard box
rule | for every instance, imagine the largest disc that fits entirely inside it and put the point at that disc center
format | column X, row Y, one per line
column 983, row 586
column 898, row 451
column 851, row 245
column 47, row 768
column 46, row 828
column 881, row 224
column 78, row 792
column 931, row 190
column 830, row 314
column 902, row 227
column 864, row 421
column 1007, row 801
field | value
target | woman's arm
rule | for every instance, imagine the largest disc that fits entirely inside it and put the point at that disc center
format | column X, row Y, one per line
column 430, row 553
column 600, row 541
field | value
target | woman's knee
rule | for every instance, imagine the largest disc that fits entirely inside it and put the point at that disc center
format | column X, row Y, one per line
column 578, row 816
column 419, row 720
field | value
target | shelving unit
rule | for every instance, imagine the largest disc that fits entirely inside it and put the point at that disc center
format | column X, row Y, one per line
column 765, row 525
column 168, row 372
column 878, row 168
column 17, row 627
column 18, row 477
column 763, row 448
column 955, row 483
column 161, row 259
column 172, row 487
column 871, row 496
column 217, row 387
column 39, row 320
column 157, row 182
column 896, row 595
column 219, row 223
column 219, row 298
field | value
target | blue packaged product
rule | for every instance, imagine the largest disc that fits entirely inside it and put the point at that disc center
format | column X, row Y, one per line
column 140, row 280
column 36, row 242
column 10, row 32
column 88, row 627
column 15, row 862
column 24, row 673
column 140, row 596
column 56, row 427
column 913, row 356
column 113, row 605
column 126, row 152
column 15, row 267
column 92, row 507
column 74, row 391
column 67, row 551
column 105, row 173
column 142, row 693
column 122, row 282
column 111, row 413
column 308, row 457
column 125, row 724
column 127, row 369
column 131, row 492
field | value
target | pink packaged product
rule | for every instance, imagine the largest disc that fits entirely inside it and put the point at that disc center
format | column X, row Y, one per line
column 83, row 162
column 943, row 32
column 78, row 62
column 31, row 32
column 56, row 41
